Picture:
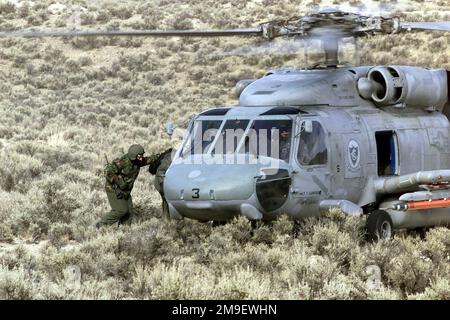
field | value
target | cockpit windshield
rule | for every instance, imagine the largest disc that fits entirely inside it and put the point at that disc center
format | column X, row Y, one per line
column 201, row 136
column 270, row 138
column 230, row 136
column 260, row 137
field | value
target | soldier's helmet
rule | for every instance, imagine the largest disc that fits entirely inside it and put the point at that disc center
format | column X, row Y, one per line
column 134, row 150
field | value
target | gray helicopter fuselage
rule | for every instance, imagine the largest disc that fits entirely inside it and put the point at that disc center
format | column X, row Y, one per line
column 352, row 142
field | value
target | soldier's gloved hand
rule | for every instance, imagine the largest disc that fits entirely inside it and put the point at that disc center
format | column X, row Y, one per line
column 163, row 154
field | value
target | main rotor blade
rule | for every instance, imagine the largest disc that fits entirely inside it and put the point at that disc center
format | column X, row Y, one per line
column 434, row 25
column 282, row 46
column 150, row 33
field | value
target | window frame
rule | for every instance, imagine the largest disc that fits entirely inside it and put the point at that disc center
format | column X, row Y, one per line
column 190, row 128
column 273, row 118
column 216, row 138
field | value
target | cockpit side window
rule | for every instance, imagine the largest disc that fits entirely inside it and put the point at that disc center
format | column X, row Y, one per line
column 312, row 148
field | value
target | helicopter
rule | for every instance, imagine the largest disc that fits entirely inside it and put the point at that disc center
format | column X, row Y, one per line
column 368, row 140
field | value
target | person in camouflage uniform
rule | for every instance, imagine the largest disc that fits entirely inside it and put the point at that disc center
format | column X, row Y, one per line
column 120, row 176
column 160, row 173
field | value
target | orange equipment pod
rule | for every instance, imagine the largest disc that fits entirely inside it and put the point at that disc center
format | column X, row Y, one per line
column 418, row 205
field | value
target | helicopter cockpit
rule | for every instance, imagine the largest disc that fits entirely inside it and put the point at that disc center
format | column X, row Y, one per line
column 256, row 133
column 243, row 156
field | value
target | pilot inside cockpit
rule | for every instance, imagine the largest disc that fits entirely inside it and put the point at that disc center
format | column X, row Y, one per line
column 312, row 148
column 285, row 143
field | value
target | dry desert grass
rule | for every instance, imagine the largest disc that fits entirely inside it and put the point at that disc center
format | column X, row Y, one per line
column 66, row 102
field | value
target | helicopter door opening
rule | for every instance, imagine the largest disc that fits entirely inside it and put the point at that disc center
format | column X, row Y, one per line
column 387, row 153
column 446, row 110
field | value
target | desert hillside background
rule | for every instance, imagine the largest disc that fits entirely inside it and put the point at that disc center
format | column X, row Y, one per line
column 64, row 103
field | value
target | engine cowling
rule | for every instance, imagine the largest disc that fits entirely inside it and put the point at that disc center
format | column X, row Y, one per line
column 241, row 85
column 405, row 86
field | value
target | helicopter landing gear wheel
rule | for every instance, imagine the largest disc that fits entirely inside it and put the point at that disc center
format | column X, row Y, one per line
column 379, row 226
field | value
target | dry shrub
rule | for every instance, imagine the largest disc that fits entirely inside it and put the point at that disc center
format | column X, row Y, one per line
column 56, row 156
column 330, row 241
column 263, row 234
column 6, row 234
column 15, row 285
column 7, row 8
column 178, row 281
column 239, row 229
column 121, row 12
column 437, row 245
column 109, row 289
column 181, row 21
column 89, row 43
column 282, row 227
column 185, row 280
column 37, row 18
column 47, row 290
column 52, row 262
column 87, row 18
column 409, row 271
column 17, row 257
column 130, row 42
column 53, row 201
column 247, row 256
column 315, row 271
column 438, row 290
column 24, row 10
column 343, row 287
column 212, row 248
column 257, row 286
column 147, row 243
column 60, row 202
column 60, row 234
column 18, row 171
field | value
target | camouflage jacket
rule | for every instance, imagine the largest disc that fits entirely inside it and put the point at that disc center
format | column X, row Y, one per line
column 161, row 172
column 121, row 173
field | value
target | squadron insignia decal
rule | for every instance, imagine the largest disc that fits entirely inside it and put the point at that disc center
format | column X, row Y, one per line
column 354, row 154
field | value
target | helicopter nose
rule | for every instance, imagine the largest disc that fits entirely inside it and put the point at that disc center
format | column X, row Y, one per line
column 212, row 191
column 210, row 182
column 223, row 191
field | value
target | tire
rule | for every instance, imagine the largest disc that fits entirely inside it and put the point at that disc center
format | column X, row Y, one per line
column 379, row 226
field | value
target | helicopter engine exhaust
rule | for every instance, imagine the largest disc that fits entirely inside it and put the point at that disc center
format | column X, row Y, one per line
column 241, row 85
column 403, row 86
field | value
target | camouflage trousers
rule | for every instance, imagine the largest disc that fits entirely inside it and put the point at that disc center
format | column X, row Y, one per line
column 165, row 208
column 159, row 186
column 121, row 210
